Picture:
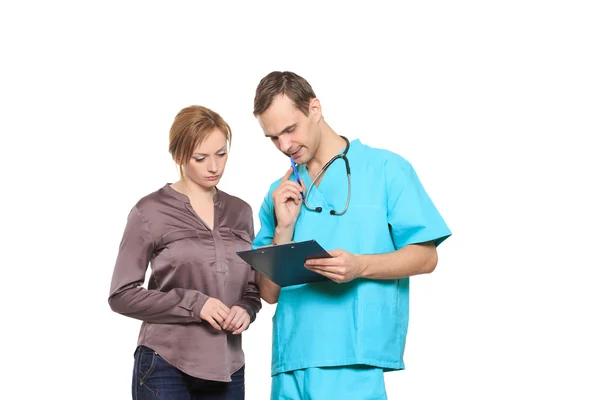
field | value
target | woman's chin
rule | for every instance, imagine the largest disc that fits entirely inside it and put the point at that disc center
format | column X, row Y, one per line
column 209, row 184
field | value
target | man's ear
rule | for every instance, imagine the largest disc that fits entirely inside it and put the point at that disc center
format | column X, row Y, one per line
column 314, row 109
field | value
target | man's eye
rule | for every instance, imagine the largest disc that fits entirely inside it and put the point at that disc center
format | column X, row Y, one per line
column 273, row 138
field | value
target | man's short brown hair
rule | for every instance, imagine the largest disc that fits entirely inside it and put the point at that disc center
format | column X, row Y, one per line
column 283, row 83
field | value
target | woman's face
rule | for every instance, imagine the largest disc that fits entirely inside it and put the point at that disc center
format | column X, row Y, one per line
column 207, row 164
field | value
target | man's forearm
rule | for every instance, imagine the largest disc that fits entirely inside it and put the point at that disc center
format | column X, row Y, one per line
column 283, row 235
column 269, row 291
column 413, row 259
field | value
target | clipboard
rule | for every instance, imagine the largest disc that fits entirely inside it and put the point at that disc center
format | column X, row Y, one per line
column 284, row 263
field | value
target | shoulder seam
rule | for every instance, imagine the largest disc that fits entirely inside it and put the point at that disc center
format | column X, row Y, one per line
column 145, row 221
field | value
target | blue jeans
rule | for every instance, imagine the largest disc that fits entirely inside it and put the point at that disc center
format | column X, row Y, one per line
column 154, row 378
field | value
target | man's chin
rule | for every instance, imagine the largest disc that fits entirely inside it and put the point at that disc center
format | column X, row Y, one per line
column 302, row 158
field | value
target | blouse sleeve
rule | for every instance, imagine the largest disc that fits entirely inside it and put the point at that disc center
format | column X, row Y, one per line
column 130, row 298
column 251, row 300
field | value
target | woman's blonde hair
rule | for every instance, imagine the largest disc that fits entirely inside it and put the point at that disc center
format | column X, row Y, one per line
column 191, row 126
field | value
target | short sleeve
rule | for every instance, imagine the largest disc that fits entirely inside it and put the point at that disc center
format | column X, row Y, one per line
column 411, row 215
column 266, row 217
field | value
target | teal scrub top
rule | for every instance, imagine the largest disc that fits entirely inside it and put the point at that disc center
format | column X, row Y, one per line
column 364, row 321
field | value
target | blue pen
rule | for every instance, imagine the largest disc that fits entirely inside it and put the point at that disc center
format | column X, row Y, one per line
column 296, row 175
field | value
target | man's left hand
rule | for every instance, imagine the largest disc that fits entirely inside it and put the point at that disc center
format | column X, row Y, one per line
column 341, row 267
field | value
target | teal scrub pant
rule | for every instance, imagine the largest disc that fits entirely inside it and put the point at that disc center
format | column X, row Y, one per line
column 347, row 383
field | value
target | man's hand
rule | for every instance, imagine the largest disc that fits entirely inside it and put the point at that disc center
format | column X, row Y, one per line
column 287, row 201
column 237, row 321
column 214, row 312
column 342, row 267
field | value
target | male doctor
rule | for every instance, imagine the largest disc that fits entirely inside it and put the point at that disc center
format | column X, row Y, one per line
column 367, row 207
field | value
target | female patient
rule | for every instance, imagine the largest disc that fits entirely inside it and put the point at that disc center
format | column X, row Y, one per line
column 201, row 296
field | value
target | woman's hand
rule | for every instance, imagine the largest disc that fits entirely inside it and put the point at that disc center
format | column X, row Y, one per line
column 214, row 312
column 237, row 321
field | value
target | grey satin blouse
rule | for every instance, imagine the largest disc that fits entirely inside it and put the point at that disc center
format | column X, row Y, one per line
column 189, row 264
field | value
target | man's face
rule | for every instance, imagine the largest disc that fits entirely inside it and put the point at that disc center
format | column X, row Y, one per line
column 292, row 132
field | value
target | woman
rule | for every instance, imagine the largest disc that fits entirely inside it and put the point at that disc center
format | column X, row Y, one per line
column 201, row 296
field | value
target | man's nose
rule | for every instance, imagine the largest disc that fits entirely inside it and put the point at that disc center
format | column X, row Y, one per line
column 285, row 144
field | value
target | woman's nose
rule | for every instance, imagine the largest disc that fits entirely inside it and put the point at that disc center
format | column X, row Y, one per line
column 212, row 165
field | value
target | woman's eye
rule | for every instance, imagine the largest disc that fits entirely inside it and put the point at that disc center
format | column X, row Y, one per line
column 200, row 159
column 222, row 154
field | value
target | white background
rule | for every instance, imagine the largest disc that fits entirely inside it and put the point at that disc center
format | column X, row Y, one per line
column 495, row 104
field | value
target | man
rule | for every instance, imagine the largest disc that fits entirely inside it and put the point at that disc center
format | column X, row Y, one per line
column 334, row 339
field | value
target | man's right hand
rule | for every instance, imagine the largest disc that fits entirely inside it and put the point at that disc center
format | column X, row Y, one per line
column 287, row 202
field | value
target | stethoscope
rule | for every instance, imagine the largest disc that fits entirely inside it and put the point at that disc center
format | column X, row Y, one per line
column 342, row 156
